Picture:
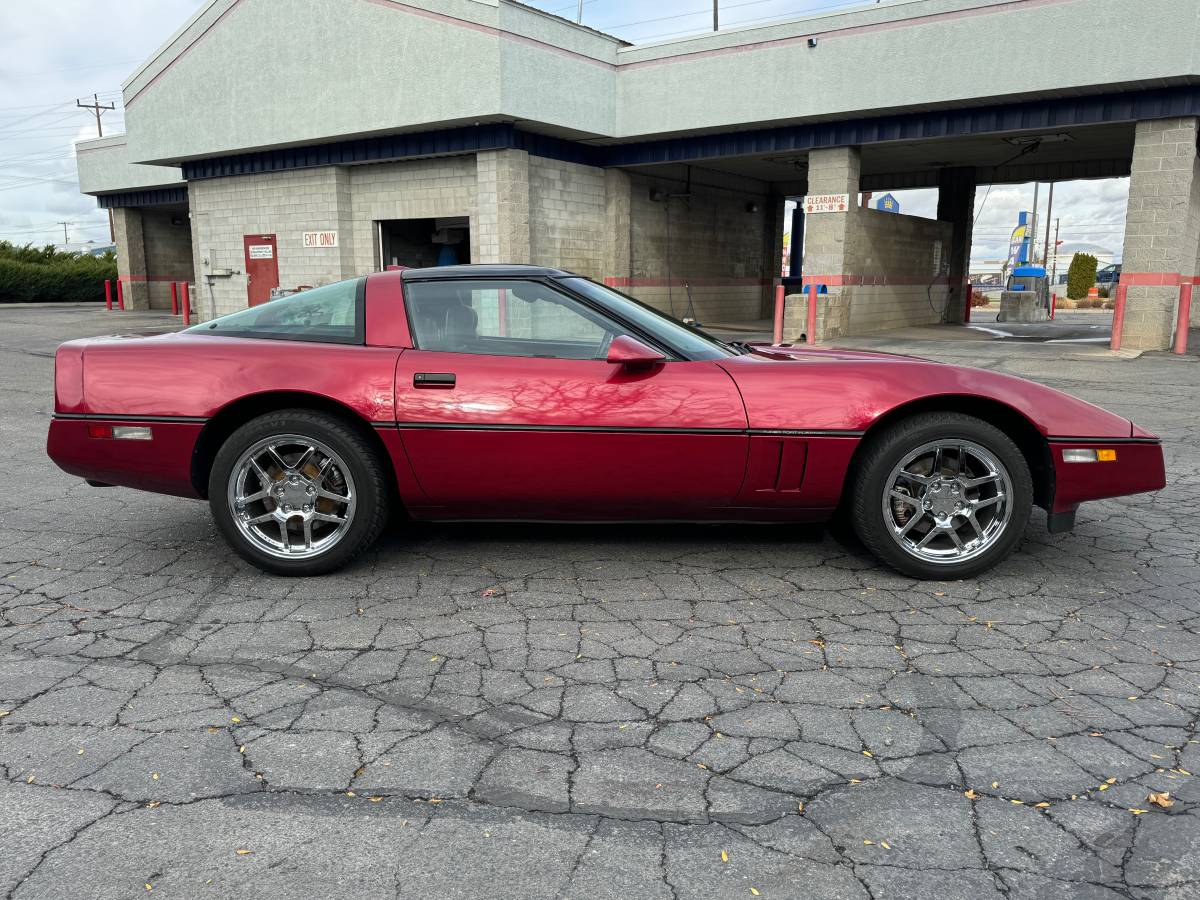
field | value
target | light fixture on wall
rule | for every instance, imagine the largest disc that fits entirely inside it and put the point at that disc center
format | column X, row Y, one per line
column 657, row 196
column 752, row 207
column 812, row 42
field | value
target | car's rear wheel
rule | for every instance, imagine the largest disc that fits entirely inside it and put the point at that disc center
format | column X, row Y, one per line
column 941, row 496
column 298, row 492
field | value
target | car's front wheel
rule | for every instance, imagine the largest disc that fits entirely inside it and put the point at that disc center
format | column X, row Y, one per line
column 941, row 496
column 298, row 492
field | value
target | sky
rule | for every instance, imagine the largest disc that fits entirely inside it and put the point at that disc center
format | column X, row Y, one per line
column 55, row 52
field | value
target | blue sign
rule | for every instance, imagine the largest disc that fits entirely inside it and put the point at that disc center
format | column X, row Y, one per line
column 888, row 203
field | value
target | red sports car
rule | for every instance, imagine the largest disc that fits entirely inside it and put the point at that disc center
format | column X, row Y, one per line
column 523, row 393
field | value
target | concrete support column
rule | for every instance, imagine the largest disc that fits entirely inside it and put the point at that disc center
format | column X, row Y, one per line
column 776, row 214
column 618, row 226
column 956, row 205
column 828, row 241
column 502, row 199
column 1162, row 228
column 131, row 257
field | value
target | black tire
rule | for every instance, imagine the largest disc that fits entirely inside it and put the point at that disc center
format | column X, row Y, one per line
column 366, row 469
column 886, row 450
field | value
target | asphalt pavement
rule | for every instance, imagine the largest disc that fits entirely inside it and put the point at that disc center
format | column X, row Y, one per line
column 596, row 712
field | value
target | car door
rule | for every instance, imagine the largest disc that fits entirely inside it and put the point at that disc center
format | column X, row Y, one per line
column 508, row 409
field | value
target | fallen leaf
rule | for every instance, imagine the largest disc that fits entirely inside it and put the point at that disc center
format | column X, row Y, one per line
column 724, row 856
column 81, row 752
column 350, row 794
column 5, row 712
column 1042, row 805
column 868, row 753
column 1017, row 802
column 754, row 891
column 1134, row 697
column 149, row 886
column 970, row 794
column 235, row 720
column 375, row 799
column 434, row 658
column 1104, row 787
column 1163, row 799
column 242, row 749
column 212, row 729
column 1137, row 812
column 242, row 851
column 868, row 843
column 153, row 804
column 1110, row 781
column 995, row 784
column 701, row 766
column 154, row 776
column 885, row 845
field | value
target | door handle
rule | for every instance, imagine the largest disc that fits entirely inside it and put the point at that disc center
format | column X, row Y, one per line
column 434, row 380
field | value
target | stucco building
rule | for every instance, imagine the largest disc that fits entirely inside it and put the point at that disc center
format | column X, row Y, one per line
column 296, row 142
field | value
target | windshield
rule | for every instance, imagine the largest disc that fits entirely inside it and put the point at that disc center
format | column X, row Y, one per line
column 692, row 342
column 329, row 314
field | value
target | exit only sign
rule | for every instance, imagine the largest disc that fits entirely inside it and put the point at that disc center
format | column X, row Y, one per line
column 314, row 240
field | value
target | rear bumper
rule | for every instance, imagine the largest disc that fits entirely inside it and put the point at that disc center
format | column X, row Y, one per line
column 162, row 464
column 1139, row 468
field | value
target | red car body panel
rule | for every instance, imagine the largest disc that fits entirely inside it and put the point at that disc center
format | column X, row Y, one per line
column 764, row 436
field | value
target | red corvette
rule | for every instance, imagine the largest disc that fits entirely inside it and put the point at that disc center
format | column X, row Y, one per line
column 522, row 393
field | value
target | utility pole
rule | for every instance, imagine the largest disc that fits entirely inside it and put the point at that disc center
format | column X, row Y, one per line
column 66, row 237
column 1033, row 224
column 1054, row 271
column 579, row 13
column 100, row 108
column 716, row 16
column 1049, row 214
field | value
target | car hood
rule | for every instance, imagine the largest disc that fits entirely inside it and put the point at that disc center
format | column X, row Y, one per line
column 847, row 391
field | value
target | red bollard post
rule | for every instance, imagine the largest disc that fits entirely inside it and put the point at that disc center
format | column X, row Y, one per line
column 1184, row 319
column 120, row 295
column 812, row 314
column 1118, row 318
column 174, row 298
column 777, row 333
column 1053, row 305
column 186, row 300
column 108, row 294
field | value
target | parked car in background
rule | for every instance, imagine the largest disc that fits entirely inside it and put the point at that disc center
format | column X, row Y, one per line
column 1110, row 274
column 522, row 393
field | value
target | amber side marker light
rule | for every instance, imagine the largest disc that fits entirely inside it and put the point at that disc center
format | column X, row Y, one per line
column 120, row 432
column 1087, row 456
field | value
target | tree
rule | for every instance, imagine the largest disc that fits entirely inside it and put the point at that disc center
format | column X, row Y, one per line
column 1081, row 277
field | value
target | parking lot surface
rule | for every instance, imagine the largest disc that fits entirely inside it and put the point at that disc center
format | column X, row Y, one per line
column 649, row 712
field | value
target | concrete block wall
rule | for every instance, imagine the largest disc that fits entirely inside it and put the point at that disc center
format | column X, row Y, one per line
column 567, row 225
column 1162, row 228
column 131, row 258
column 421, row 189
column 285, row 204
column 716, row 243
column 882, row 270
column 500, row 228
column 167, row 243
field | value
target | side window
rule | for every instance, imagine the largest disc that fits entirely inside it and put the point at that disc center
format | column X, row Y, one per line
column 505, row 318
column 332, row 313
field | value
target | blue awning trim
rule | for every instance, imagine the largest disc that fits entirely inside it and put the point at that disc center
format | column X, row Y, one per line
column 155, row 197
column 1036, row 115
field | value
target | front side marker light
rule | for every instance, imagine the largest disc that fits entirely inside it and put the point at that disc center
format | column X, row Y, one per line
column 1087, row 456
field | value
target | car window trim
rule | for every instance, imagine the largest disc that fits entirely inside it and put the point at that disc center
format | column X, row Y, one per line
column 672, row 353
column 359, row 338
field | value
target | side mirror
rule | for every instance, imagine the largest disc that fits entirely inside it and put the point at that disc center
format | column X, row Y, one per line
column 632, row 353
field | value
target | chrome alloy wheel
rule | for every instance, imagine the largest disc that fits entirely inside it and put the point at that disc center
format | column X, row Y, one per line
column 948, row 501
column 291, row 496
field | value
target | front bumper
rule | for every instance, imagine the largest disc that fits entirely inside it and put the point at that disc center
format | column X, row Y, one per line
column 1138, row 468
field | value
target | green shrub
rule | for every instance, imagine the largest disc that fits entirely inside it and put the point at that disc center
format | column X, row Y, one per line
column 28, row 274
column 1081, row 277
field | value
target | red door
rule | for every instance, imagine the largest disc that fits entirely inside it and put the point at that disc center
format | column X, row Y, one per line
column 262, row 267
column 518, row 438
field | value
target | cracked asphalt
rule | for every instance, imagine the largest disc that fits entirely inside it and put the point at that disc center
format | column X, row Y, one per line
column 503, row 711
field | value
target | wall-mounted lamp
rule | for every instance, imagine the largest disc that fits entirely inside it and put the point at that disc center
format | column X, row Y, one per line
column 812, row 42
column 751, row 207
column 657, row 196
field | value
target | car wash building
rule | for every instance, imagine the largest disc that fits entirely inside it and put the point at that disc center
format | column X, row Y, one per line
column 273, row 144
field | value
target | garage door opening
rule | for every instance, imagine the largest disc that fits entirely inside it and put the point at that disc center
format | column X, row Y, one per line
column 419, row 243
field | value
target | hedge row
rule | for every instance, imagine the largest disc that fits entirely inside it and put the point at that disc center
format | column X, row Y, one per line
column 59, row 277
